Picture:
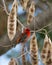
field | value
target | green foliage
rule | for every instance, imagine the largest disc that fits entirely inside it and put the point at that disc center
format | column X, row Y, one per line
column 22, row 19
column 40, row 37
column 40, row 40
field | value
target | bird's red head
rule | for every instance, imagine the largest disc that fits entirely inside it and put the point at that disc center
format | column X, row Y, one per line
column 27, row 31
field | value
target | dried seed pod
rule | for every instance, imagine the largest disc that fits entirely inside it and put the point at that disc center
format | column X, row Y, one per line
column 24, row 3
column 13, row 62
column 49, row 55
column 31, row 13
column 11, row 24
column 23, row 57
column 50, row 47
column 34, row 50
column 45, row 49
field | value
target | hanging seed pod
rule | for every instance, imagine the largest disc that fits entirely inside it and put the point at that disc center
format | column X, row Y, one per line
column 34, row 50
column 24, row 3
column 49, row 55
column 45, row 49
column 23, row 57
column 31, row 13
column 13, row 62
column 50, row 50
column 11, row 24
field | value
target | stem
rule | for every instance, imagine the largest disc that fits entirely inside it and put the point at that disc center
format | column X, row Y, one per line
column 5, row 8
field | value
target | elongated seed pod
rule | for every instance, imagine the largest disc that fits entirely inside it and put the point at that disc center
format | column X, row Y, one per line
column 45, row 49
column 13, row 62
column 49, row 56
column 23, row 57
column 34, row 50
column 51, row 53
column 24, row 3
column 50, row 50
column 11, row 24
column 31, row 13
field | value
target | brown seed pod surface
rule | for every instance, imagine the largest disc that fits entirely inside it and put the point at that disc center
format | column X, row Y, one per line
column 31, row 13
column 45, row 49
column 23, row 57
column 49, row 56
column 34, row 50
column 24, row 3
column 12, row 18
column 13, row 62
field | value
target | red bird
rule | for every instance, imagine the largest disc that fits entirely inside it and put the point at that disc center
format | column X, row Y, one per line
column 23, row 36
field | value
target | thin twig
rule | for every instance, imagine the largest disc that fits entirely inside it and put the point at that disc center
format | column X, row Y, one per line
column 27, row 52
column 31, row 31
column 22, row 55
column 20, row 23
column 40, row 30
column 43, row 27
column 5, row 8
